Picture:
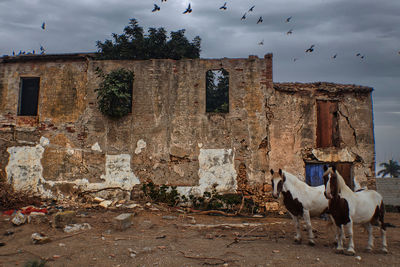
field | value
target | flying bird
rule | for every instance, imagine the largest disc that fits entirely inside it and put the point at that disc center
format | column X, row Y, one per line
column 362, row 57
column 288, row 19
column 311, row 49
column 188, row 9
column 223, row 7
column 358, row 54
column 260, row 20
column 261, row 43
column 294, row 59
column 156, row 8
column 43, row 25
column 244, row 16
column 334, row 56
column 290, row 32
column 163, row 1
column 251, row 8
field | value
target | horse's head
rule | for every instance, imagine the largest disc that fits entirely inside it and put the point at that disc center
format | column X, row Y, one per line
column 278, row 178
column 331, row 182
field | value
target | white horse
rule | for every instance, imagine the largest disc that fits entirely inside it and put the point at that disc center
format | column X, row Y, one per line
column 348, row 207
column 300, row 199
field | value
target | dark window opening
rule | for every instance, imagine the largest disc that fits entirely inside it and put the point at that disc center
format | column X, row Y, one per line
column 217, row 91
column 327, row 124
column 28, row 97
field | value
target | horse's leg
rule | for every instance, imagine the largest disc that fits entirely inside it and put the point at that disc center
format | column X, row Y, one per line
column 340, row 230
column 384, row 244
column 306, row 216
column 370, row 245
column 350, row 249
column 297, row 238
column 336, row 229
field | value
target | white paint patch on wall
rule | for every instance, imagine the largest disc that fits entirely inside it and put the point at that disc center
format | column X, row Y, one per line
column 119, row 172
column 140, row 145
column 216, row 166
column 24, row 169
column 96, row 147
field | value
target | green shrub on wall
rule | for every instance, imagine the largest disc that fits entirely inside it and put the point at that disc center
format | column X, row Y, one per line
column 114, row 94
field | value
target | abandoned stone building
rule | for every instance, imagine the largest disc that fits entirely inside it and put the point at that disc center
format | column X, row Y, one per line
column 54, row 141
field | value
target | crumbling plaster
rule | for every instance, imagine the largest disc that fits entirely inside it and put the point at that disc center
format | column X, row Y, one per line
column 169, row 138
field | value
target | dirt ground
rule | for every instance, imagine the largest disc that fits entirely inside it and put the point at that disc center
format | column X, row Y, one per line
column 174, row 238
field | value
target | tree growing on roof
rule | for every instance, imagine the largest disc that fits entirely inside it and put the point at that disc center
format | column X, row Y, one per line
column 134, row 44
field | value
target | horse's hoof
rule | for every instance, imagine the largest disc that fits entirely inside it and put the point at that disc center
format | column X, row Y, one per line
column 368, row 250
column 339, row 251
column 350, row 252
column 311, row 243
column 385, row 251
column 297, row 241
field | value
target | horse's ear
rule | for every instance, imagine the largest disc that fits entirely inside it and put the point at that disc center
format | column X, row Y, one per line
column 280, row 172
column 334, row 168
column 325, row 168
column 272, row 171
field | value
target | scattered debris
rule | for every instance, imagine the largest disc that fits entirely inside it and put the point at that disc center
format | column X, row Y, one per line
column 77, row 227
column 18, row 219
column 37, row 218
column 123, row 221
column 167, row 217
column 105, row 203
column 275, row 251
column 63, row 218
column 358, row 258
column 9, row 232
column 39, row 238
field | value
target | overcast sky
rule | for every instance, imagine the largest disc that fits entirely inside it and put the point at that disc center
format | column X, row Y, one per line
column 342, row 27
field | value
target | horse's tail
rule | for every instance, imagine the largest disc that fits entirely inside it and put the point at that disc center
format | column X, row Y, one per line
column 382, row 216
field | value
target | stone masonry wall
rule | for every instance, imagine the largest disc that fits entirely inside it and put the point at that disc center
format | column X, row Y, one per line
column 168, row 138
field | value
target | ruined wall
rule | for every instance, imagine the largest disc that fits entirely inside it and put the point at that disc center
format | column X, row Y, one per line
column 168, row 138
column 293, row 127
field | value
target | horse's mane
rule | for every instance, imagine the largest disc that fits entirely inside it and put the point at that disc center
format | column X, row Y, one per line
column 342, row 186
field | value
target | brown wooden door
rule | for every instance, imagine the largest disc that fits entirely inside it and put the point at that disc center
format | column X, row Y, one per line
column 344, row 168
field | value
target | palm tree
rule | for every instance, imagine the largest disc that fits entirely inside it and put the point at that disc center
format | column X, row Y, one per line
column 391, row 168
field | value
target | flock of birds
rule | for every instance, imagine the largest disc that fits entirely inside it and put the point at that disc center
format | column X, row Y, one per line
column 189, row 10
column 260, row 20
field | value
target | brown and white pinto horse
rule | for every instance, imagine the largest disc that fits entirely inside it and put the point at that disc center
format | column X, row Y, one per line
column 348, row 207
column 300, row 199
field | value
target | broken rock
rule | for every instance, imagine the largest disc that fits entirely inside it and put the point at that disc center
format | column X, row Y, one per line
column 77, row 227
column 123, row 221
column 18, row 219
column 39, row 238
column 37, row 218
column 105, row 203
column 61, row 219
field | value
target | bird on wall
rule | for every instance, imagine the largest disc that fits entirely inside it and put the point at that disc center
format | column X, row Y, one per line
column 251, row 9
column 43, row 25
column 311, row 49
column 223, row 7
column 188, row 10
column 289, row 31
column 156, row 8
column 260, row 20
column 244, row 16
column 288, row 19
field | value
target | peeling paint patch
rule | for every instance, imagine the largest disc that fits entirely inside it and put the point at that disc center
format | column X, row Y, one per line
column 343, row 155
column 141, row 144
column 96, row 147
column 24, row 169
column 119, row 172
column 216, row 166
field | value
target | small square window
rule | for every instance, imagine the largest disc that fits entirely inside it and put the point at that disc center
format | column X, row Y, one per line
column 28, row 97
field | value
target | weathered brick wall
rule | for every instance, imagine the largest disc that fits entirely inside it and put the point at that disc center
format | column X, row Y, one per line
column 168, row 137
column 389, row 188
column 161, row 140
column 293, row 127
